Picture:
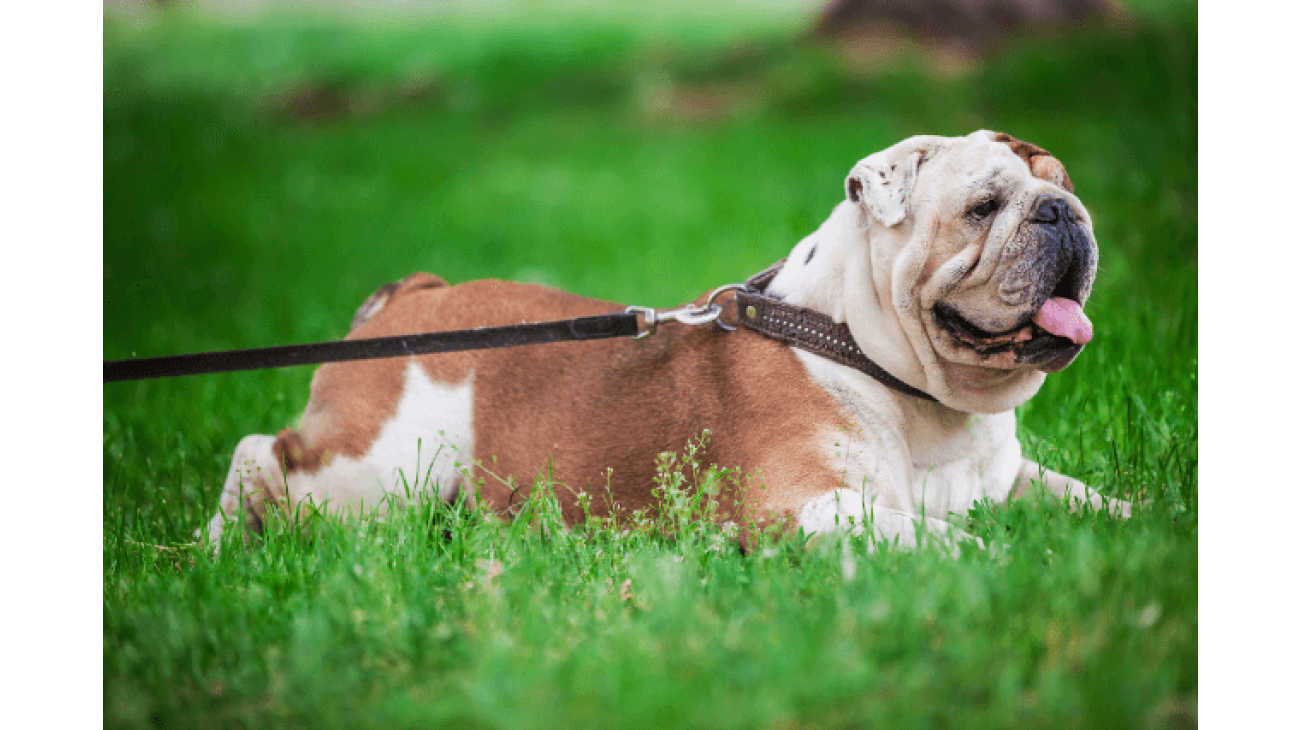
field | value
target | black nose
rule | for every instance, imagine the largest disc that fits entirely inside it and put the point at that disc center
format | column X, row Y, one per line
column 1051, row 209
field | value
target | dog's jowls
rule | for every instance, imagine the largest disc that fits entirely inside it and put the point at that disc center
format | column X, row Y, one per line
column 961, row 266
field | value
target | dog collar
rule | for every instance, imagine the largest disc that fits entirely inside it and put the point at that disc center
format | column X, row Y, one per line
column 808, row 330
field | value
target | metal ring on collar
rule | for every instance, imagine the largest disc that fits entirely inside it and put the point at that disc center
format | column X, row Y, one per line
column 713, row 296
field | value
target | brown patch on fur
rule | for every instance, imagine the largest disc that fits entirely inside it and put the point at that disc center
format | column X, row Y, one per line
column 294, row 454
column 351, row 401
column 593, row 407
column 592, row 415
column 1041, row 162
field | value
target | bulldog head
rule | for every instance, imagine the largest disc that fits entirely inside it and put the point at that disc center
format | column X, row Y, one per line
column 968, row 264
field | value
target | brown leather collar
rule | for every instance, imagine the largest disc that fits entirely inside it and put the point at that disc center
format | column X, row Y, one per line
column 808, row 330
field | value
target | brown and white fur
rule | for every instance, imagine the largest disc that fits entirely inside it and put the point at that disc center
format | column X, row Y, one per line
column 831, row 446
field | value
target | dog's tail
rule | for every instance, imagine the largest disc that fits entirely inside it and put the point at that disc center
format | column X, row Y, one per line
column 376, row 301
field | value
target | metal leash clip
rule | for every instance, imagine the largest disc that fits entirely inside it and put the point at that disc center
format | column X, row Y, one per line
column 689, row 314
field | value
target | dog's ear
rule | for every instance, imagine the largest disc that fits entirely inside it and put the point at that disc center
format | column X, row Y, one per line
column 1041, row 162
column 882, row 183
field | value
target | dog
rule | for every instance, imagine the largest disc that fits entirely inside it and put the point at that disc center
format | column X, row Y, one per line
column 960, row 266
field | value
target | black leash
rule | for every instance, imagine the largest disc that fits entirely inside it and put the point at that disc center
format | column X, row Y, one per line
column 797, row 326
column 598, row 327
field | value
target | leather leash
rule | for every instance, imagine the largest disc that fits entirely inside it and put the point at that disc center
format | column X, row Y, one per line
column 796, row 326
column 598, row 327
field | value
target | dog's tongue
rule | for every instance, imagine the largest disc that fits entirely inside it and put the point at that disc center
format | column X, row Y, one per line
column 1065, row 318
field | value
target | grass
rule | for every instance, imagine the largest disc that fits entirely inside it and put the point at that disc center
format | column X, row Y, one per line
column 585, row 154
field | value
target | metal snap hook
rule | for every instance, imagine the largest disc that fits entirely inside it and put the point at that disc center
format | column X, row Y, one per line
column 689, row 314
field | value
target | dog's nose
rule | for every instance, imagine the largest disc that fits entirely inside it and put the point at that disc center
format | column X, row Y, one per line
column 1051, row 209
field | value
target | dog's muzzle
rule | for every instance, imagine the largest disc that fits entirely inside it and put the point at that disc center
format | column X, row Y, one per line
column 1061, row 261
column 1049, row 281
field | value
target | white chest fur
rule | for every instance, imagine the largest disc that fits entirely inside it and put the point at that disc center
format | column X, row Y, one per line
column 919, row 458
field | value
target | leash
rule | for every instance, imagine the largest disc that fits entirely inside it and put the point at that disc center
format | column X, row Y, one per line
column 596, row 327
column 578, row 329
column 799, row 327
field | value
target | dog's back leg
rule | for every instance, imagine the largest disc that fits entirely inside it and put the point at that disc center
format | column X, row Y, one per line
column 281, row 472
column 253, row 477
column 285, row 473
column 373, row 431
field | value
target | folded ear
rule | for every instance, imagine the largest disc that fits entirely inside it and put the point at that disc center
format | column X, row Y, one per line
column 882, row 183
column 1041, row 163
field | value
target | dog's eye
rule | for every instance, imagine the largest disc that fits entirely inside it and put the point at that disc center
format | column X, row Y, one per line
column 984, row 209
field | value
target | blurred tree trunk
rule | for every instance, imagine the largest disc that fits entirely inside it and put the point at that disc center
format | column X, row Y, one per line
column 977, row 26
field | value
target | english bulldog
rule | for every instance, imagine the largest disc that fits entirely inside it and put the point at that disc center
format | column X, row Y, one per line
column 960, row 266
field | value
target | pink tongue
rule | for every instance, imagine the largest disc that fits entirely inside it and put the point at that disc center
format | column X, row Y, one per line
column 1065, row 318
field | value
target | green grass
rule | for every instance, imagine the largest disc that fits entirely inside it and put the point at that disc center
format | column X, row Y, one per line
column 540, row 151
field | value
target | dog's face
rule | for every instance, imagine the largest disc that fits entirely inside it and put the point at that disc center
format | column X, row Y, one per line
column 987, row 258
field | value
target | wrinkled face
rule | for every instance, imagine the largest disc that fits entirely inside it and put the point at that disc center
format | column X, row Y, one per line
column 1012, row 262
column 985, row 257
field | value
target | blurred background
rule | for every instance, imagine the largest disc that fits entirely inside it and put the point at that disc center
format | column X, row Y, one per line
column 269, row 164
